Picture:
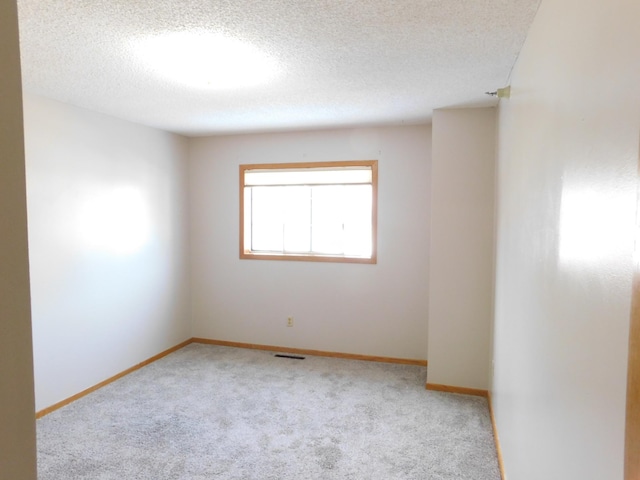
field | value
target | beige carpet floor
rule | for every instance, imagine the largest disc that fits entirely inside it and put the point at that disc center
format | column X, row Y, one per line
column 209, row 412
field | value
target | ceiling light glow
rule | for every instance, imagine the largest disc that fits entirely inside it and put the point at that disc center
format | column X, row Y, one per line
column 206, row 60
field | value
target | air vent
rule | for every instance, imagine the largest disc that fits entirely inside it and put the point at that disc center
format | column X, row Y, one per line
column 295, row 357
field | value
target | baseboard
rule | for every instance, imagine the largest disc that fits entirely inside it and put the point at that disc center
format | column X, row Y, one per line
column 496, row 438
column 109, row 380
column 319, row 353
column 480, row 393
column 451, row 389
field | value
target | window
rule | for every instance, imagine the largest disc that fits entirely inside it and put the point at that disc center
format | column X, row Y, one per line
column 323, row 212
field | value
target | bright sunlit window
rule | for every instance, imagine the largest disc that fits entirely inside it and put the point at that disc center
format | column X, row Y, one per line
column 309, row 211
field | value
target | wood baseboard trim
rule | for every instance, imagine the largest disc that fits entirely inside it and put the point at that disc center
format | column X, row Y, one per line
column 496, row 438
column 109, row 380
column 318, row 353
column 451, row 389
column 479, row 393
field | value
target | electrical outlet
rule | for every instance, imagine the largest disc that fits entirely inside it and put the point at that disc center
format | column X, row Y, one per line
column 289, row 321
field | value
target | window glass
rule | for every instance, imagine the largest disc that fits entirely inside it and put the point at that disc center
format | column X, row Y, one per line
column 317, row 212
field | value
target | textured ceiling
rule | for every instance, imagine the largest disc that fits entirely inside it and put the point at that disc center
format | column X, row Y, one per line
column 339, row 62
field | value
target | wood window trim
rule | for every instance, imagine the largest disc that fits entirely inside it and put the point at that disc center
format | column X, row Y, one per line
column 248, row 255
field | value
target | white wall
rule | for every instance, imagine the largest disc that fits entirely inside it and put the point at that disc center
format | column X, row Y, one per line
column 107, row 239
column 568, row 161
column 462, row 239
column 364, row 309
column 17, row 427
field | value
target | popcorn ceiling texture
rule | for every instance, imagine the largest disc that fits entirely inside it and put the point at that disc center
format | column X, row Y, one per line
column 343, row 62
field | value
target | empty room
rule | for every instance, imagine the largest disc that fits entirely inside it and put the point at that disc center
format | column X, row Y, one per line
column 326, row 239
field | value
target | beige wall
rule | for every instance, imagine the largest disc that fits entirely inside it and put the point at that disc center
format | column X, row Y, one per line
column 568, row 161
column 461, row 255
column 365, row 309
column 108, row 245
column 17, row 432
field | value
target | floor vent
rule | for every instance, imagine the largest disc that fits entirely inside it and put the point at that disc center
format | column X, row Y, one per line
column 295, row 357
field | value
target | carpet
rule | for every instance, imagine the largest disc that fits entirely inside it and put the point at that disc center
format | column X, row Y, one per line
column 211, row 412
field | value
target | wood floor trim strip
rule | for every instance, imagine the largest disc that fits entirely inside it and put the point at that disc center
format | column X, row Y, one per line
column 463, row 390
column 83, row 393
column 479, row 393
column 496, row 438
column 319, row 353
